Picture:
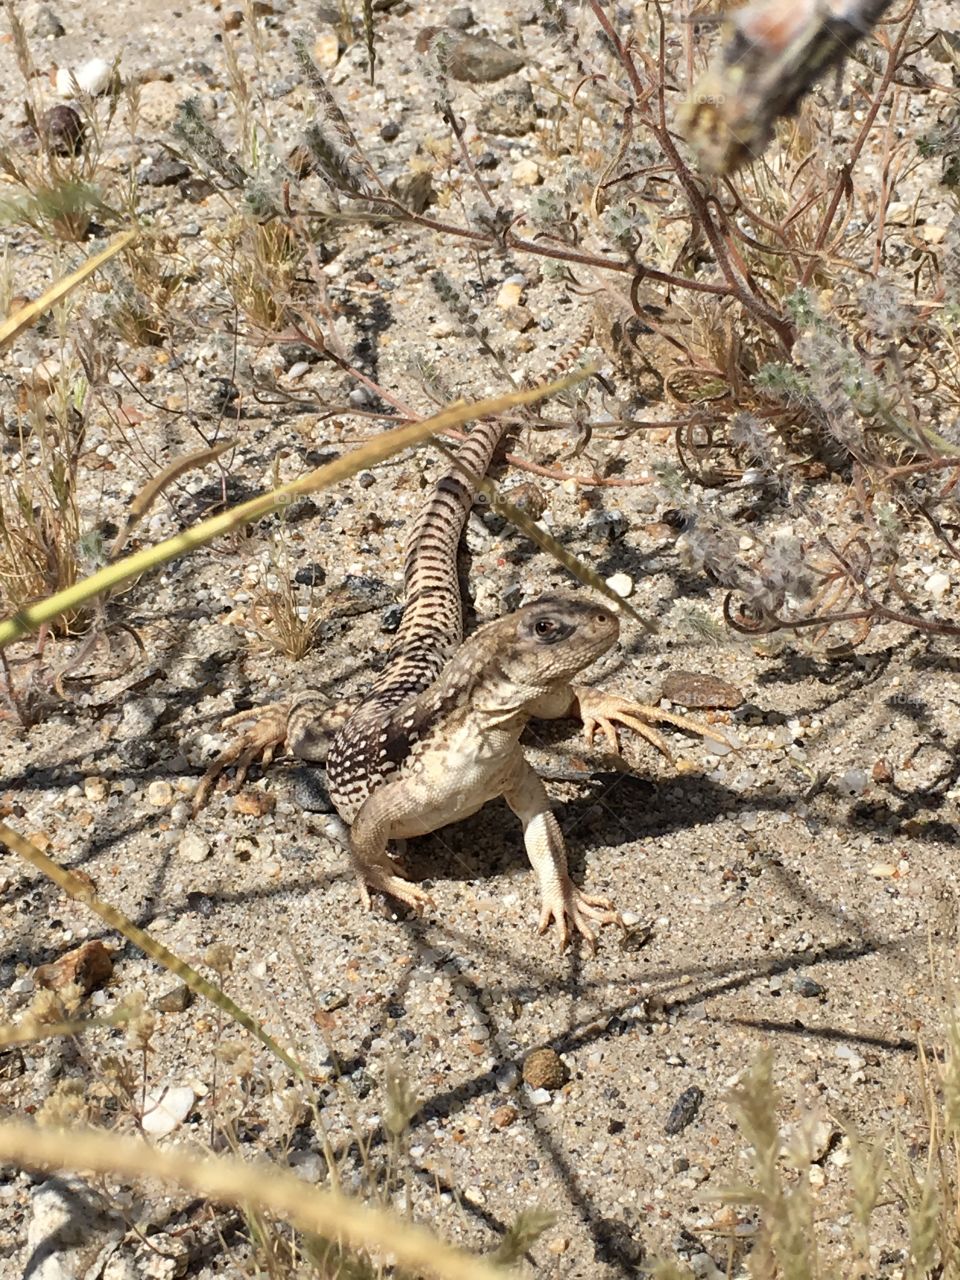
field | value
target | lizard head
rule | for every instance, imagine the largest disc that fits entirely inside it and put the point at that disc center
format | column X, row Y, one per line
column 559, row 635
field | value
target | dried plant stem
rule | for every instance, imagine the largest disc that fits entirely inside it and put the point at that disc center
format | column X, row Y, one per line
column 842, row 183
column 229, row 1181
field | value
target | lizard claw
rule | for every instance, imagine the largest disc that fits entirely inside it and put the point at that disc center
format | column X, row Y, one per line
column 604, row 711
column 266, row 731
column 569, row 906
column 409, row 894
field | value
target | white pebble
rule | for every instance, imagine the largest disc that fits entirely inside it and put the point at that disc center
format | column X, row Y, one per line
column 509, row 294
column 91, row 77
column 525, row 173
column 193, row 847
column 621, row 584
column 937, row 585
column 166, row 1109
column 853, row 782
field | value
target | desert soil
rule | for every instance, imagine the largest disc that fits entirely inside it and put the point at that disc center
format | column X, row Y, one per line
column 797, row 896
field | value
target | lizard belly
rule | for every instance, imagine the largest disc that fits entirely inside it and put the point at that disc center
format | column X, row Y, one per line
column 454, row 781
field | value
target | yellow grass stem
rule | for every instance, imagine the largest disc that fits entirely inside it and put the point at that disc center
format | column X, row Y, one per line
column 230, row 1181
column 33, row 616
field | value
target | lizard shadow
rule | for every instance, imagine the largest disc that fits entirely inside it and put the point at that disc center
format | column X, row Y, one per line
column 614, row 808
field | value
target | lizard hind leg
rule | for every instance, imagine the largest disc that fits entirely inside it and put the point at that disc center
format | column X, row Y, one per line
column 370, row 836
column 306, row 726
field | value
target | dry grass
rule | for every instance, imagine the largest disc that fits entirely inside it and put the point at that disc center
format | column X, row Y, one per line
column 805, row 338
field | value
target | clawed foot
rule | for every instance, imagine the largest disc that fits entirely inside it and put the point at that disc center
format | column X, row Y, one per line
column 266, row 732
column 604, row 711
column 383, row 882
column 568, row 906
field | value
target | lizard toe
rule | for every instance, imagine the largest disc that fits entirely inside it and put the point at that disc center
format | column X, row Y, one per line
column 266, row 731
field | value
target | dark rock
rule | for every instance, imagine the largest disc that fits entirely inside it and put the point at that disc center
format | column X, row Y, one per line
column 176, row 1000
column 309, row 792
column 460, row 18
column 808, row 988
column 196, row 189
column 310, row 575
column 390, row 131
column 391, row 618
column 617, row 1245
column 528, row 498
column 62, row 131
column 359, row 594
column 48, row 25
column 165, row 171
column 684, row 1110
column 605, row 526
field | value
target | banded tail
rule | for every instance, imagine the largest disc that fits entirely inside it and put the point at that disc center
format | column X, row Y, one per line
column 432, row 626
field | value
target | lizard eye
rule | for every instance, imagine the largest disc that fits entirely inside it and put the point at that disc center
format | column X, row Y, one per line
column 544, row 626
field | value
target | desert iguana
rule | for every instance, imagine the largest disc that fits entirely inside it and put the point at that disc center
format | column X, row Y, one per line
column 438, row 735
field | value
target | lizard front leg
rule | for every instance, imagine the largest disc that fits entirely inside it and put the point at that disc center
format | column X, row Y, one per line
column 305, row 725
column 605, row 711
column 563, row 903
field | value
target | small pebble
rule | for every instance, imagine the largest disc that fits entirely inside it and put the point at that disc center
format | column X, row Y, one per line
column 62, row 131
column 882, row 772
column 605, row 526
column 88, row 967
column 507, row 1077
column 853, row 782
column 165, row 171
column 937, row 585
column 310, row 575
column 193, row 847
column 509, row 294
column 684, row 1110
column 96, row 789
column 621, row 584
column 327, row 48
column 543, row 1069
column 503, row 1117
column 48, row 26
column 390, row 131
column 525, row 173
column 695, row 690
column 176, row 1000
column 475, row 59
column 807, row 987
column 160, row 793
column 92, row 77
column 166, row 1109
column 254, row 802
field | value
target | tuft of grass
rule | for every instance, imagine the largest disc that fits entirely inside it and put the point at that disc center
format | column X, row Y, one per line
column 279, row 616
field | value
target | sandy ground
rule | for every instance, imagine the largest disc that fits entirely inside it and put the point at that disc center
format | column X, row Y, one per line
column 801, row 893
